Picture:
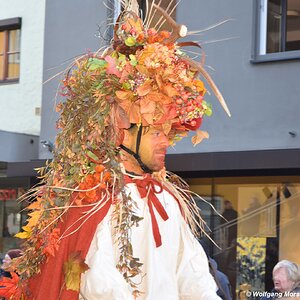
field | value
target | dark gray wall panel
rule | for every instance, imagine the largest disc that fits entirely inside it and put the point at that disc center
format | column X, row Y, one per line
column 16, row 147
column 71, row 29
column 263, row 98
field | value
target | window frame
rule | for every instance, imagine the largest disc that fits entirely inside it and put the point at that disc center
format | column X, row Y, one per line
column 259, row 37
column 6, row 26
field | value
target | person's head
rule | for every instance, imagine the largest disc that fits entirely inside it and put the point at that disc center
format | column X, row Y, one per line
column 11, row 254
column 286, row 276
column 151, row 148
column 227, row 204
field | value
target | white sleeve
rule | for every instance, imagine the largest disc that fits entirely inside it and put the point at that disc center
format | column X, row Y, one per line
column 103, row 280
column 194, row 278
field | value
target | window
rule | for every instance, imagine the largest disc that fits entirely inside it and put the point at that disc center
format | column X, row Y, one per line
column 277, row 34
column 10, row 49
column 262, row 227
column 12, row 217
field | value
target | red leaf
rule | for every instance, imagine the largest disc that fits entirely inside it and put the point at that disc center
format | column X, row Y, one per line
column 10, row 287
column 112, row 66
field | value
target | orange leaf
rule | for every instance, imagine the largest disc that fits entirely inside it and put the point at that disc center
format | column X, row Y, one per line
column 169, row 90
column 159, row 81
column 199, row 136
column 127, row 70
column 145, row 88
column 134, row 113
column 35, row 205
column 161, row 98
column 142, row 70
column 125, row 95
column 168, row 112
column 147, row 52
column 99, row 168
column 53, row 242
column 147, row 119
column 147, row 106
column 121, row 117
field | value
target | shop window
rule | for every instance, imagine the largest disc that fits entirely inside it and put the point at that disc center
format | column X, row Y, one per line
column 277, row 33
column 10, row 32
column 262, row 227
column 12, row 217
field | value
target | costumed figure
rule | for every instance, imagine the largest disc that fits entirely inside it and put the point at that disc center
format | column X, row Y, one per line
column 108, row 221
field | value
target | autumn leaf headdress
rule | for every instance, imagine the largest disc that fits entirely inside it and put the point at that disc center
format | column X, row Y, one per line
column 142, row 78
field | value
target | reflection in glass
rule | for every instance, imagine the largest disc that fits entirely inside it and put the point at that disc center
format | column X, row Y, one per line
column 293, row 26
column 274, row 20
column 1, row 42
column 1, row 55
column 1, row 67
column 13, row 65
column 14, row 40
column 289, row 245
column 257, row 210
column 263, row 215
column 12, row 216
column 251, row 261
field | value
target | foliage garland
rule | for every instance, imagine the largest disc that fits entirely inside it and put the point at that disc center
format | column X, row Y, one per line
column 143, row 79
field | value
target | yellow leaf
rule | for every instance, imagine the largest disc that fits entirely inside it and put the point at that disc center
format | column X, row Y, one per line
column 124, row 95
column 25, row 234
column 34, row 218
column 35, row 205
column 136, row 24
column 73, row 268
column 143, row 70
column 167, row 127
column 147, row 52
column 199, row 136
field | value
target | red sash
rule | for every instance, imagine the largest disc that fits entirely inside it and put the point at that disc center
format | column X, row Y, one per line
column 49, row 283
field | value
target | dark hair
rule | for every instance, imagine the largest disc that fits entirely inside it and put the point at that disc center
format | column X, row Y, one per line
column 14, row 253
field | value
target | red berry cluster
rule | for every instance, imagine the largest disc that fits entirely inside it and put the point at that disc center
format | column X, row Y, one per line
column 189, row 107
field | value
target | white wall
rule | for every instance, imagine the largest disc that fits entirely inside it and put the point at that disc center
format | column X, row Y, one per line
column 19, row 100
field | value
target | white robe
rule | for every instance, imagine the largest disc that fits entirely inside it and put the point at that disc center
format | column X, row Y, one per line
column 177, row 270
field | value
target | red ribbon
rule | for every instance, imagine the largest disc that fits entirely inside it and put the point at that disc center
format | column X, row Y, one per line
column 147, row 189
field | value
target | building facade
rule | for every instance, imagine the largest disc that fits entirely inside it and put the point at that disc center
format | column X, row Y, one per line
column 249, row 167
column 38, row 38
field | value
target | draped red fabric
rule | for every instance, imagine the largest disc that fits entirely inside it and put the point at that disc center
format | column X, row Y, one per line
column 49, row 283
column 147, row 188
